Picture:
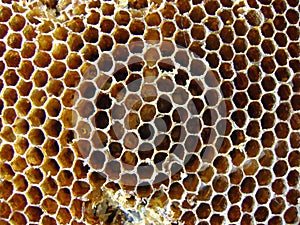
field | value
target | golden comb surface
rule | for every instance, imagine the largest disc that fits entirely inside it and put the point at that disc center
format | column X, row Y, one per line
column 149, row 112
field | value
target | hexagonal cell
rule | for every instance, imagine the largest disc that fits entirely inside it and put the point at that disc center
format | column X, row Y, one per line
column 34, row 195
column 17, row 22
column 64, row 196
column 267, row 139
column 65, row 178
column 290, row 215
column 34, row 156
column 76, row 208
column 118, row 91
column 48, row 220
column 234, row 213
column 34, row 213
column 219, row 203
column 261, row 214
column 49, row 186
column 38, row 97
column 116, row 131
column 176, row 191
column 113, row 169
column 248, row 204
column 66, row 157
column 5, row 210
column 144, row 189
column 18, row 218
column 18, row 202
column 129, row 160
column 130, row 140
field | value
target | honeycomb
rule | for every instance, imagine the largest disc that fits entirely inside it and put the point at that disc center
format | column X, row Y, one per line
column 149, row 112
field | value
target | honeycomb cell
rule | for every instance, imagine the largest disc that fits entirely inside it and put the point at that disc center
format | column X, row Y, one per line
column 17, row 22
column 80, row 170
column 118, row 91
column 10, row 77
column 49, row 186
column 50, row 166
column 176, row 191
column 48, row 220
column 281, row 40
column 220, row 184
column 293, row 159
column 203, row 211
column 65, row 177
column 247, row 219
column 99, row 140
column 293, row 178
column 17, row 202
column 34, row 195
column 168, row 29
column 248, row 185
column 74, row 61
column 182, row 39
column 277, row 205
column 234, row 194
column 34, row 156
column 144, row 190
column 42, row 59
column 129, row 160
column 90, row 52
column 267, row 139
column 219, row 203
column 153, row 19
column 168, row 11
column 63, row 216
column 45, row 42
column 268, row 101
column 234, row 213
column 103, row 81
column 9, row 115
column 5, row 210
column 261, row 214
column 160, row 160
column 280, row 23
column 284, row 92
column 76, row 208
column 18, row 218
column 191, row 163
column 12, row 58
column 116, row 131
column 91, row 35
column 6, row 171
column 295, row 102
column 128, row 181
column 145, row 171
column 60, row 33
column 282, row 130
column 121, row 35
column 290, row 215
column 206, row 173
column 275, row 220
column 178, row 150
column 33, row 213
column 266, row 158
column 4, row 30
column 263, row 177
column 14, row 40
column 262, row 195
column 6, row 153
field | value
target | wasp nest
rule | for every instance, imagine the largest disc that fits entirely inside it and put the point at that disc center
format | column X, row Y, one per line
column 149, row 112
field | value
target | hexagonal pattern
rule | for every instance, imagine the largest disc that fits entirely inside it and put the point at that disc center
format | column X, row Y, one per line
column 151, row 112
